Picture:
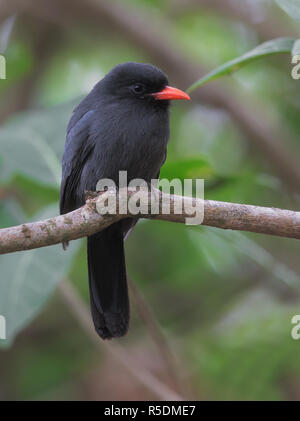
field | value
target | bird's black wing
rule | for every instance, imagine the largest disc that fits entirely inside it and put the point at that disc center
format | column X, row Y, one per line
column 77, row 150
column 106, row 259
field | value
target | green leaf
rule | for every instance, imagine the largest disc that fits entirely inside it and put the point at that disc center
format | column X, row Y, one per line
column 29, row 278
column 10, row 212
column 187, row 168
column 291, row 7
column 33, row 194
column 275, row 46
column 32, row 143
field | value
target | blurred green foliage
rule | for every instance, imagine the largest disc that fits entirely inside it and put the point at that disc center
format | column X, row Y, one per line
column 226, row 299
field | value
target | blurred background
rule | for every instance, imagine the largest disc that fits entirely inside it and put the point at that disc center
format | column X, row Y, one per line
column 211, row 309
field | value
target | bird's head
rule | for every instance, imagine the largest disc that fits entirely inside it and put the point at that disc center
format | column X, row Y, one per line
column 138, row 81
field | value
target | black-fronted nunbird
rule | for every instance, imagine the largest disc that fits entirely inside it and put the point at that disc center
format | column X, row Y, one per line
column 121, row 125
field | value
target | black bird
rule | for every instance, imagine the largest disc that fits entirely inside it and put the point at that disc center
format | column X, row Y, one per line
column 121, row 125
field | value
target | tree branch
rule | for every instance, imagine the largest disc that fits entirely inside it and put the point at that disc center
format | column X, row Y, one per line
column 86, row 220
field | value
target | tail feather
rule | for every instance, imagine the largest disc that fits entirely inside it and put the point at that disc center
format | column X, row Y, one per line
column 108, row 282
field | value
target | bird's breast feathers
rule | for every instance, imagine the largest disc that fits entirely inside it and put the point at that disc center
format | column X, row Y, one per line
column 132, row 142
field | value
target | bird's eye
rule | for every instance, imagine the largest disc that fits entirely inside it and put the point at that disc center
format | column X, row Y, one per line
column 138, row 88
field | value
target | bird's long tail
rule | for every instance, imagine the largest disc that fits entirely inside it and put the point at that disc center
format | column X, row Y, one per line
column 108, row 283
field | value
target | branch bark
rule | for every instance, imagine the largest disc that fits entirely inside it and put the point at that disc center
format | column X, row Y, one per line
column 86, row 220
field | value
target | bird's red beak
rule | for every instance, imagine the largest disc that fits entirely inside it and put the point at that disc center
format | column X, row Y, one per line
column 170, row 93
